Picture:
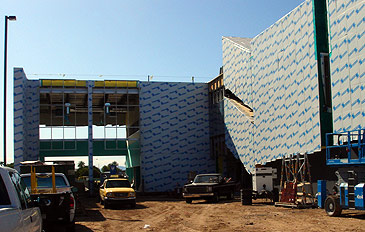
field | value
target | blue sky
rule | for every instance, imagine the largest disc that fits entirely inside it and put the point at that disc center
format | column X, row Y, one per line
column 171, row 40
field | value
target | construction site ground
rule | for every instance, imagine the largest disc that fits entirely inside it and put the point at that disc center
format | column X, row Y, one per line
column 171, row 214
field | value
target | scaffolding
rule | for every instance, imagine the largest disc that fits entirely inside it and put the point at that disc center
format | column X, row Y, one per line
column 296, row 190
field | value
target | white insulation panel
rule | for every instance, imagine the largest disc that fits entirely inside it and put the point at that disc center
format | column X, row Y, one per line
column 347, row 43
column 280, row 84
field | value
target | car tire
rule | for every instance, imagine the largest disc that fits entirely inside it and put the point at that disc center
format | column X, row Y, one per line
column 106, row 205
column 332, row 206
column 70, row 227
column 275, row 194
column 216, row 198
column 189, row 201
column 101, row 202
column 133, row 204
column 230, row 196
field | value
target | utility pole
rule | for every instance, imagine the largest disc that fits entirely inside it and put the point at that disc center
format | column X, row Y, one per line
column 11, row 18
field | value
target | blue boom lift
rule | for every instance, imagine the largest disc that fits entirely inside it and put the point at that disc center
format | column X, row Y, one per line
column 346, row 151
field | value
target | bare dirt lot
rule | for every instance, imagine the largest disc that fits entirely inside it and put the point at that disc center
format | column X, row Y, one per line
column 169, row 214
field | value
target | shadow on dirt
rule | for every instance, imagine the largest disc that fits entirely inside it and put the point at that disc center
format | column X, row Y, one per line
column 90, row 215
column 82, row 228
column 221, row 201
column 126, row 207
column 158, row 198
column 353, row 214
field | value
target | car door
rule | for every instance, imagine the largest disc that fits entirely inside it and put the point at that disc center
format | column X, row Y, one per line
column 11, row 218
column 31, row 215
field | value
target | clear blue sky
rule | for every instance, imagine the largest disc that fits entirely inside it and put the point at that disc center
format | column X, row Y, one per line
column 171, row 40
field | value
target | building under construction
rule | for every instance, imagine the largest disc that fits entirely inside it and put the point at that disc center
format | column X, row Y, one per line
column 277, row 94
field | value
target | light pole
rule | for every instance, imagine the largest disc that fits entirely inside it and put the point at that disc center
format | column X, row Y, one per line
column 11, row 18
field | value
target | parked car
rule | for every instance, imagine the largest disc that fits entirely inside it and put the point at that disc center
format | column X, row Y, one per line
column 209, row 187
column 117, row 191
column 17, row 210
column 57, row 203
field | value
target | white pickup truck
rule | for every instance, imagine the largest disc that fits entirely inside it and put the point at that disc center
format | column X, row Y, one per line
column 17, row 211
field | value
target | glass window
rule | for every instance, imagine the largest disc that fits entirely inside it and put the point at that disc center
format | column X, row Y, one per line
column 46, row 181
column 4, row 196
column 206, row 179
column 117, row 184
column 21, row 189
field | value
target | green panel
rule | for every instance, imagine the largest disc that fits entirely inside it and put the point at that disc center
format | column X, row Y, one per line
column 138, row 176
column 70, row 145
column 133, row 157
column 109, row 148
column 67, row 148
column 134, row 173
column 55, row 148
column 130, row 173
column 44, row 146
column 321, row 37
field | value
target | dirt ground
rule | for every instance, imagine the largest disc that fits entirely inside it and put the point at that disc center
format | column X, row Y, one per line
column 169, row 214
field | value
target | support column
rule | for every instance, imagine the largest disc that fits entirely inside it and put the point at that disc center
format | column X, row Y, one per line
column 90, row 85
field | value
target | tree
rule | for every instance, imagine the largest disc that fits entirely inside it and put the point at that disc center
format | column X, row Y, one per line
column 81, row 164
column 106, row 168
column 113, row 163
column 84, row 171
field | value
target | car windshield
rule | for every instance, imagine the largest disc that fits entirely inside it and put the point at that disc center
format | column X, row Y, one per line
column 206, row 179
column 118, row 184
column 46, row 181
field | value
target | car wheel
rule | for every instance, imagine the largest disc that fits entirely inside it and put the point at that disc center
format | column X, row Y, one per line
column 188, row 200
column 70, row 226
column 230, row 196
column 106, row 205
column 216, row 198
column 133, row 204
column 275, row 194
column 332, row 206
column 101, row 202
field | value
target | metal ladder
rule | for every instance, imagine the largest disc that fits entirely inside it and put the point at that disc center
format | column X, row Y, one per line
column 352, row 182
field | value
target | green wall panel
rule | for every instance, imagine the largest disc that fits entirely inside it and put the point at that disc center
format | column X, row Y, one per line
column 80, row 148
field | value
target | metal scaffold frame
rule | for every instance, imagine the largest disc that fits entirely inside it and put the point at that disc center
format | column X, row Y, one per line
column 296, row 188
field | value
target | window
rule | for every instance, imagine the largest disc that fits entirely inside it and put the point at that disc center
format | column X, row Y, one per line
column 118, row 184
column 21, row 189
column 326, row 82
column 4, row 196
column 46, row 181
column 206, row 179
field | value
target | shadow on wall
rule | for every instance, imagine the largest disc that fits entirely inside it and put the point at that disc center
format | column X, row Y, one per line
column 234, row 167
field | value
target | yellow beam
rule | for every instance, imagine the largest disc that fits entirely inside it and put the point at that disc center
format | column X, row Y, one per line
column 63, row 83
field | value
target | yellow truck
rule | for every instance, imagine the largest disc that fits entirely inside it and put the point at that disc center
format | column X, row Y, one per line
column 117, row 191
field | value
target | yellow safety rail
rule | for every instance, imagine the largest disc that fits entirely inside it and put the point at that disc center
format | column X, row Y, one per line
column 53, row 181
column 34, row 183
column 33, row 180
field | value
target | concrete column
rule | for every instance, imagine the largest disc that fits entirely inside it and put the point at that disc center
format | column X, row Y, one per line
column 90, row 85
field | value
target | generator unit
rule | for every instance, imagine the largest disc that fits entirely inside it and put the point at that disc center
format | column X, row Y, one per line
column 263, row 183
